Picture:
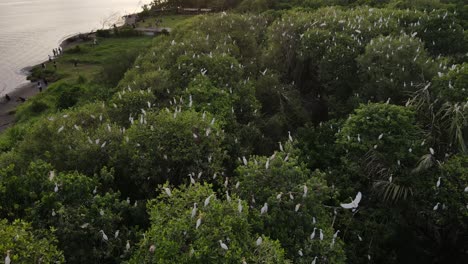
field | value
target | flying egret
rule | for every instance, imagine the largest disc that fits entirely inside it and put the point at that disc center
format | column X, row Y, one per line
column 259, row 241
column 264, row 209
column 223, row 246
column 354, row 204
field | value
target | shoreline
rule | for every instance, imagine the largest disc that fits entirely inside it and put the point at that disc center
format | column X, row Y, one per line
column 28, row 89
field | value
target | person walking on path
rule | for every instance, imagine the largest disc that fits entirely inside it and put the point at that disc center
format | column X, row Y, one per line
column 39, row 86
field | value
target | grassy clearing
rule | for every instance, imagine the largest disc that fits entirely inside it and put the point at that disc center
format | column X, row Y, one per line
column 98, row 70
column 168, row 21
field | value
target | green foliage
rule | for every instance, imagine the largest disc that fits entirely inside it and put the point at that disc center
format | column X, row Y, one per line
column 18, row 240
column 168, row 147
column 174, row 236
column 293, row 214
column 392, row 67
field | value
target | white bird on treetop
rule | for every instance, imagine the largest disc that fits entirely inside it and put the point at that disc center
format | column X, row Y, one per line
column 207, row 200
column 297, row 207
column 168, row 191
column 438, row 182
column 194, row 210
column 264, row 209
column 104, row 236
column 198, row 223
column 259, row 241
column 7, row 258
column 321, row 234
column 354, row 204
column 312, row 236
column 223, row 246
column 239, row 206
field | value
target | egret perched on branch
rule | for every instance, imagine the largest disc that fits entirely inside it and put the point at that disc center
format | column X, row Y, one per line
column 438, row 182
column 198, row 223
column 7, row 258
column 223, row 246
column 354, row 204
column 264, row 209
column 239, row 206
column 259, row 241
column 104, row 236
column 168, row 191
column 312, row 236
column 321, row 234
column 207, row 200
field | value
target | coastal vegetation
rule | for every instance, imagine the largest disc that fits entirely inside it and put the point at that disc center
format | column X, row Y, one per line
column 271, row 132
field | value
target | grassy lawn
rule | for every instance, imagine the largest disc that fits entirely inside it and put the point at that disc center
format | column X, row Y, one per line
column 168, row 21
column 87, row 80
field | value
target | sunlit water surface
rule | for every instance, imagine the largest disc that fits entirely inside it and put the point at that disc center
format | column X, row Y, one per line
column 30, row 29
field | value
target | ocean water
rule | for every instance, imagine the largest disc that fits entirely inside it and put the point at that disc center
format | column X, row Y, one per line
column 30, row 29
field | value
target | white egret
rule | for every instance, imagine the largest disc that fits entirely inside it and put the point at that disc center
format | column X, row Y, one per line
column 127, row 246
column 431, row 150
column 300, row 252
column 207, row 200
column 104, row 236
column 152, row 248
column 244, row 160
column 239, row 206
column 297, row 207
column 312, row 236
column 7, row 258
column 56, row 188
column 278, row 197
column 315, row 259
column 60, row 129
column 168, row 191
column 264, row 209
column 436, row 207
column 305, row 191
column 321, row 234
column 354, row 204
column 198, row 223
column 228, row 198
column 259, row 241
column 223, row 246
column 438, row 183
column 289, row 136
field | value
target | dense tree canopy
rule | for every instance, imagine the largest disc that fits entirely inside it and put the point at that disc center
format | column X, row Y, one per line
column 277, row 131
